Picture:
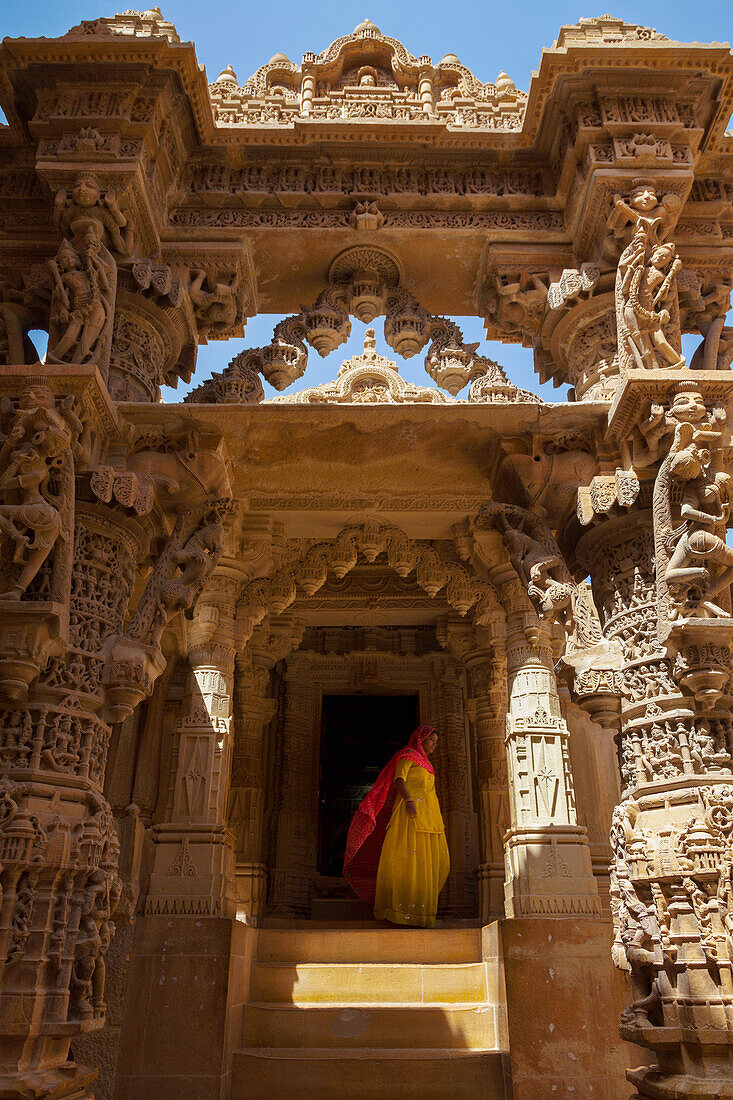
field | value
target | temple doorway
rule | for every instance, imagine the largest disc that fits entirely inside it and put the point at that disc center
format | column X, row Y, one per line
column 359, row 734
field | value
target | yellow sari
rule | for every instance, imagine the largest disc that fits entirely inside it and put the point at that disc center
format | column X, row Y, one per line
column 414, row 863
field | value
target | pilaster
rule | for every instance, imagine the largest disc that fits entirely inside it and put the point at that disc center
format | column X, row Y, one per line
column 487, row 704
column 548, row 864
column 193, row 863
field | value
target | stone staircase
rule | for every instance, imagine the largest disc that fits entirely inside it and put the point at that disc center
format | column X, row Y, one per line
column 367, row 1013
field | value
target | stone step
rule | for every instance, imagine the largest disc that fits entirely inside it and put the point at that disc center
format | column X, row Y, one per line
column 369, row 983
column 350, row 1026
column 369, row 945
column 332, row 1074
column 340, row 909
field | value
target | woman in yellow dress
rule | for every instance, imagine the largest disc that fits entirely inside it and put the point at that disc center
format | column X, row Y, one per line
column 396, row 852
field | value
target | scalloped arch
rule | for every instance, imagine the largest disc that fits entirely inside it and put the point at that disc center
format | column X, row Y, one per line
column 463, row 590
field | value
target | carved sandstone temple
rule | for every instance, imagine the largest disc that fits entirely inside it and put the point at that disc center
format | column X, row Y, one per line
column 219, row 617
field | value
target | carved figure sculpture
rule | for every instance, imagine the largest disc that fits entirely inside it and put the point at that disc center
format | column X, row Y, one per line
column 216, row 310
column 701, row 563
column 31, row 513
column 536, row 568
column 80, row 302
column 87, row 207
column 182, row 568
column 643, row 285
column 650, row 217
column 646, row 279
column 196, row 561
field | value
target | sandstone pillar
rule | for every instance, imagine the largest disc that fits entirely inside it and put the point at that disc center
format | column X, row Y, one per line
column 548, row 864
column 145, row 787
column 58, row 845
column 193, row 865
column 253, row 711
column 486, row 702
column 671, row 868
column 458, row 896
column 295, row 861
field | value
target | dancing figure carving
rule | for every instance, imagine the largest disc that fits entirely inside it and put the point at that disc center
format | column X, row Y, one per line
column 646, row 281
column 80, row 302
column 84, row 273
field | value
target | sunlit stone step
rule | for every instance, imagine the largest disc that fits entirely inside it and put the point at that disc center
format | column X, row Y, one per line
column 350, row 1025
column 373, row 983
column 332, row 1074
column 370, row 945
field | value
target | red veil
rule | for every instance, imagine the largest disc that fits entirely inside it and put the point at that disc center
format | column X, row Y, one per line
column 369, row 825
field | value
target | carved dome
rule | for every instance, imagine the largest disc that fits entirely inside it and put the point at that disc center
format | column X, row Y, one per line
column 367, row 26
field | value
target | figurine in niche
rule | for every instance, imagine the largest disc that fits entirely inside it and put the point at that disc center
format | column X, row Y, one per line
column 649, row 217
column 687, row 407
column 216, row 310
column 701, row 563
column 87, row 206
column 80, row 302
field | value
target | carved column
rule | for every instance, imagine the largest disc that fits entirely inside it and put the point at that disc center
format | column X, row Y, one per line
column 145, row 788
column 458, row 897
column 671, row 835
column 548, row 864
column 58, row 846
column 253, row 710
column 487, row 706
column 193, row 868
column 118, row 787
column 296, row 852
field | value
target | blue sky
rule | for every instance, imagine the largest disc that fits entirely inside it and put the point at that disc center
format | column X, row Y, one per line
column 487, row 36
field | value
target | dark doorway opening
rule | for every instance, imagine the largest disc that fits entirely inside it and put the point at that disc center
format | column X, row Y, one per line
column 359, row 734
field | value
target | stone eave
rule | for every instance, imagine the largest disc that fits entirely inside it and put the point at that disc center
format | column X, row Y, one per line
column 586, row 61
column 237, row 422
column 18, row 54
